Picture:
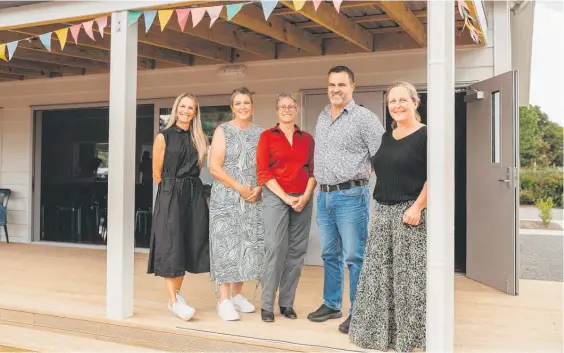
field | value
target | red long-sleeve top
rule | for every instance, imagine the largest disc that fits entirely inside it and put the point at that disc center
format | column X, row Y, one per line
column 290, row 165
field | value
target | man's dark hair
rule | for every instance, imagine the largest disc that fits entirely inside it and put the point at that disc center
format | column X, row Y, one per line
column 341, row 68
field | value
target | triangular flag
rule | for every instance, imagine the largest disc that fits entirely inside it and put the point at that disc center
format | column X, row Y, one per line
column 298, row 4
column 45, row 38
column 88, row 29
column 232, row 10
column 12, row 49
column 62, row 35
column 213, row 12
column 267, row 7
column 102, row 23
column 197, row 15
column 132, row 17
column 182, row 15
column 3, row 52
column 316, row 4
column 164, row 17
column 337, row 4
column 149, row 18
column 75, row 30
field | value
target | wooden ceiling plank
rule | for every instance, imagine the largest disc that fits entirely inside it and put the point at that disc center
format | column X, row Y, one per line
column 252, row 18
column 363, row 19
column 406, row 19
column 344, row 5
column 5, row 69
column 11, row 77
column 29, row 64
column 336, row 22
column 224, row 34
column 45, row 57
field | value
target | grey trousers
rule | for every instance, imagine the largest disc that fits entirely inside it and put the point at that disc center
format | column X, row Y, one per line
column 286, row 239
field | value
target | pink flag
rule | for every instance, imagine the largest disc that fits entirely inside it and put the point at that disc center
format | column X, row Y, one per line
column 182, row 15
column 75, row 30
column 213, row 12
column 197, row 15
column 88, row 29
column 316, row 4
column 102, row 23
column 337, row 4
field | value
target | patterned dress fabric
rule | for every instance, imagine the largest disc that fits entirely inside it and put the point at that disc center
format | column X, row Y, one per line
column 236, row 226
column 389, row 310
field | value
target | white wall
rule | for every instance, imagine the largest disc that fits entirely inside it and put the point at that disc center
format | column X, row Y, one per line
column 267, row 79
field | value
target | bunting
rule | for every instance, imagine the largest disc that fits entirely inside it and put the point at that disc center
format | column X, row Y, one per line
column 75, row 30
column 182, row 15
column 213, row 12
column 88, row 29
column 11, row 49
column 164, row 17
column 149, row 18
column 233, row 9
column 198, row 14
column 46, row 40
column 62, row 35
column 3, row 52
column 464, row 11
column 102, row 23
column 267, row 7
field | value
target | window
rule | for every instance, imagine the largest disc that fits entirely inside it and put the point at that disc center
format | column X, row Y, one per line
column 495, row 128
column 212, row 117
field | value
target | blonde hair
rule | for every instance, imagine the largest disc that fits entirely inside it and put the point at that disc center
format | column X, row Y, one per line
column 241, row 90
column 199, row 137
column 412, row 93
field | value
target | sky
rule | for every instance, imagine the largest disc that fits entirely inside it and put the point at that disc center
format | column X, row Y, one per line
column 547, row 62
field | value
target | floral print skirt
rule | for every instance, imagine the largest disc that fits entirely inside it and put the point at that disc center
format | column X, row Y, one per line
column 390, row 304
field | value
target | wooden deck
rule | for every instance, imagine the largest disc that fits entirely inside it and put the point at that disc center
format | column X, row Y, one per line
column 62, row 289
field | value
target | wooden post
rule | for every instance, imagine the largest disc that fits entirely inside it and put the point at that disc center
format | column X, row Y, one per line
column 440, row 176
column 121, row 167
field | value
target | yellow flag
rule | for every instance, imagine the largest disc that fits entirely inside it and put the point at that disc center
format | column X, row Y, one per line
column 298, row 4
column 3, row 52
column 62, row 35
column 164, row 17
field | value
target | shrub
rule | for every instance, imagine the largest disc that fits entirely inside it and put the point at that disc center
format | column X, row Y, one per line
column 540, row 184
column 545, row 210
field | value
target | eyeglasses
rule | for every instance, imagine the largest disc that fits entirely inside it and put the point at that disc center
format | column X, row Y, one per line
column 290, row 108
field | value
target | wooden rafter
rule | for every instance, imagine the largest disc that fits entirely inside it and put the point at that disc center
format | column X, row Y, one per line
column 28, row 64
column 405, row 18
column 363, row 19
column 11, row 77
column 6, row 69
column 45, row 57
column 225, row 34
column 338, row 23
column 384, row 30
column 252, row 18
column 344, row 5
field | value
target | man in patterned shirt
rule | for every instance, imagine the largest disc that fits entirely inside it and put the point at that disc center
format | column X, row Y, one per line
column 346, row 137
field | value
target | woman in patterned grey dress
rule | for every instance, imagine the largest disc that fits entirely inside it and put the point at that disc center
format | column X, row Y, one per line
column 390, row 304
column 236, row 226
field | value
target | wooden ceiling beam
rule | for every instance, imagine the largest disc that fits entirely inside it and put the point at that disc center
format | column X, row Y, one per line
column 406, row 19
column 11, row 77
column 344, row 5
column 459, row 25
column 7, row 69
column 363, row 19
column 45, row 57
column 338, row 23
column 28, row 64
column 252, row 18
column 83, row 52
column 225, row 34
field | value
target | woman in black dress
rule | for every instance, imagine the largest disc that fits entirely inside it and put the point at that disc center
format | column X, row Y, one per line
column 179, row 238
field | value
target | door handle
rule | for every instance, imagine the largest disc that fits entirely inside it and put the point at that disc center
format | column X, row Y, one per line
column 504, row 180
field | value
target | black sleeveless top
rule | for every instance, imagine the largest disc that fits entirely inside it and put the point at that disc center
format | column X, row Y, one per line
column 400, row 167
column 181, row 156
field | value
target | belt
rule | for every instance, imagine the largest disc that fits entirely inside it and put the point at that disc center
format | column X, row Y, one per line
column 180, row 184
column 343, row 186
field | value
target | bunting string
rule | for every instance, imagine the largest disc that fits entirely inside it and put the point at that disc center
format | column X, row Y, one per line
column 182, row 14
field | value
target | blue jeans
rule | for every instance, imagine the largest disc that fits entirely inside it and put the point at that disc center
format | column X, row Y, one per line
column 342, row 217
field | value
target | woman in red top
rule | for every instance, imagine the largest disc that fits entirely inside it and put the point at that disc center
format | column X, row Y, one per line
column 285, row 167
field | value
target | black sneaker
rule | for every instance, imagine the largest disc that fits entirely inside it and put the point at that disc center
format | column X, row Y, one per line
column 288, row 312
column 266, row 316
column 344, row 327
column 324, row 313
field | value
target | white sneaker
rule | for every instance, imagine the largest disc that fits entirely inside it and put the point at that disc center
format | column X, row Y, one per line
column 242, row 304
column 227, row 311
column 182, row 310
column 179, row 298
